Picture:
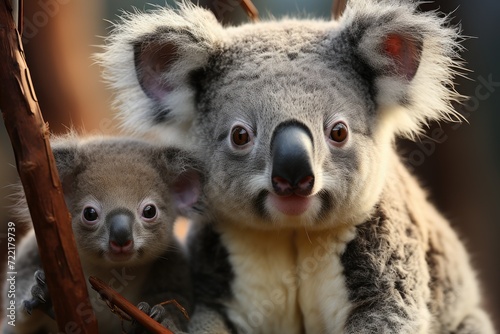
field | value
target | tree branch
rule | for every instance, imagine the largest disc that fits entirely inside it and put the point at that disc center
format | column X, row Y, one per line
column 29, row 136
column 338, row 8
column 250, row 9
column 115, row 299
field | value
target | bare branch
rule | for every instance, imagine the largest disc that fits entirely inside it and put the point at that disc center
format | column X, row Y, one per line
column 29, row 136
column 338, row 8
column 250, row 9
column 114, row 299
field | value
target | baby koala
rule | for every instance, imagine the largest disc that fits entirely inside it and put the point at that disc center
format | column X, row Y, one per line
column 124, row 196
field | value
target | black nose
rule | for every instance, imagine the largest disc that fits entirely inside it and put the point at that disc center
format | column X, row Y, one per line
column 292, row 150
column 120, row 227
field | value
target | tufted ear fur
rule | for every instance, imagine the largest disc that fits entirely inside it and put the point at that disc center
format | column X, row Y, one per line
column 152, row 59
column 413, row 57
column 149, row 61
column 186, row 190
column 67, row 160
column 185, row 177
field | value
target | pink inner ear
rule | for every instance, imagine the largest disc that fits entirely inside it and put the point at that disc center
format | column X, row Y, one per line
column 186, row 190
column 152, row 61
column 405, row 52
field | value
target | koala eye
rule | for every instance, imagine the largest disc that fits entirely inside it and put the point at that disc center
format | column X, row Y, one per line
column 149, row 212
column 240, row 136
column 339, row 132
column 90, row 215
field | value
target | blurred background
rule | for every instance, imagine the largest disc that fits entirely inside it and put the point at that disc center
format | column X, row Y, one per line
column 458, row 163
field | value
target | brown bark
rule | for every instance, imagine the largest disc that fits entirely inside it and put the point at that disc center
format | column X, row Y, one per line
column 338, row 8
column 250, row 9
column 29, row 136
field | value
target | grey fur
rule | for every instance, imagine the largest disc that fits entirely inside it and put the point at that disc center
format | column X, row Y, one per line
column 370, row 254
column 116, row 175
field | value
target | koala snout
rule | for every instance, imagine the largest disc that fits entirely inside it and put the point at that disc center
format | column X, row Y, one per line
column 120, row 231
column 292, row 153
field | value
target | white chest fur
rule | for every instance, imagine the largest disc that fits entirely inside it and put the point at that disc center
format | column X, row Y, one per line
column 287, row 281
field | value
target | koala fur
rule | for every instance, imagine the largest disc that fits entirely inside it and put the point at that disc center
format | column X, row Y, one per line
column 135, row 254
column 313, row 224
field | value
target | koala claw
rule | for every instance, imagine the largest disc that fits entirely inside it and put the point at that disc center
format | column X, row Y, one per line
column 38, row 293
column 157, row 313
column 29, row 305
column 144, row 307
column 40, row 298
column 40, row 278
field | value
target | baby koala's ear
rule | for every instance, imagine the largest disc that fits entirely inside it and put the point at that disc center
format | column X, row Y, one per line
column 185, row 179
column 186, row 190
column 67, row 162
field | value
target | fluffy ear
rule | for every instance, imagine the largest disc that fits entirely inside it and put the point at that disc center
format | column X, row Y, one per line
column 185, row 178
column 186, row 190
column 67, row 161
column 413, row 57
column 149, row 60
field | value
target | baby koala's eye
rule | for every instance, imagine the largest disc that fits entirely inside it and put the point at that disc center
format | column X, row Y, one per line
column 339, row 132
column 240, row 136
column 90, row 214
column 149, row 212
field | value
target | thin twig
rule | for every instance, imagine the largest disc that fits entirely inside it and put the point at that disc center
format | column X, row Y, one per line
column 250, row 9
column 338, row 8
column 115, row 300
column 179, row 307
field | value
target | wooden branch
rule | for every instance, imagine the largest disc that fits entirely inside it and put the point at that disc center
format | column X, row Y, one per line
column 115, row 299
column 250, row 9
column 338, row 8
column 29, row 136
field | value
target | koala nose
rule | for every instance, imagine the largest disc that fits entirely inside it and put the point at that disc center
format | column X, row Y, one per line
column 292, row 150
column 120, row 230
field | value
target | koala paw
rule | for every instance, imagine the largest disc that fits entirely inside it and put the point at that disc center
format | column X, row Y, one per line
column 157, row 313
column 40, row 298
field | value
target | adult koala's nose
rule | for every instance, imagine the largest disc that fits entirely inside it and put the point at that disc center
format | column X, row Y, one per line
column 292, row 154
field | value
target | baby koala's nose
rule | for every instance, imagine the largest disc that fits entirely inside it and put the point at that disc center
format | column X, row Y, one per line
column 120, row 230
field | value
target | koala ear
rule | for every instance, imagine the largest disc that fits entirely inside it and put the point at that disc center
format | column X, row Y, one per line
column 152, row 59
column 149, row 61
column 185, row 174
column 186, row 189
column 413, row 57
column 404, row 52
column 66, row 157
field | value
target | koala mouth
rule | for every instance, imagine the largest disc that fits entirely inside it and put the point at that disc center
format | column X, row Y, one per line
column 291, row 205
column 120, row 257
column 121, row 252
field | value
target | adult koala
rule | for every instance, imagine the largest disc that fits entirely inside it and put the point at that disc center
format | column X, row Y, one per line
column 314, row 224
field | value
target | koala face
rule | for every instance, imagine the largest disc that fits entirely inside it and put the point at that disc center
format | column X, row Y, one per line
column 270, row 121
column 124, row 196
column 294, row 119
